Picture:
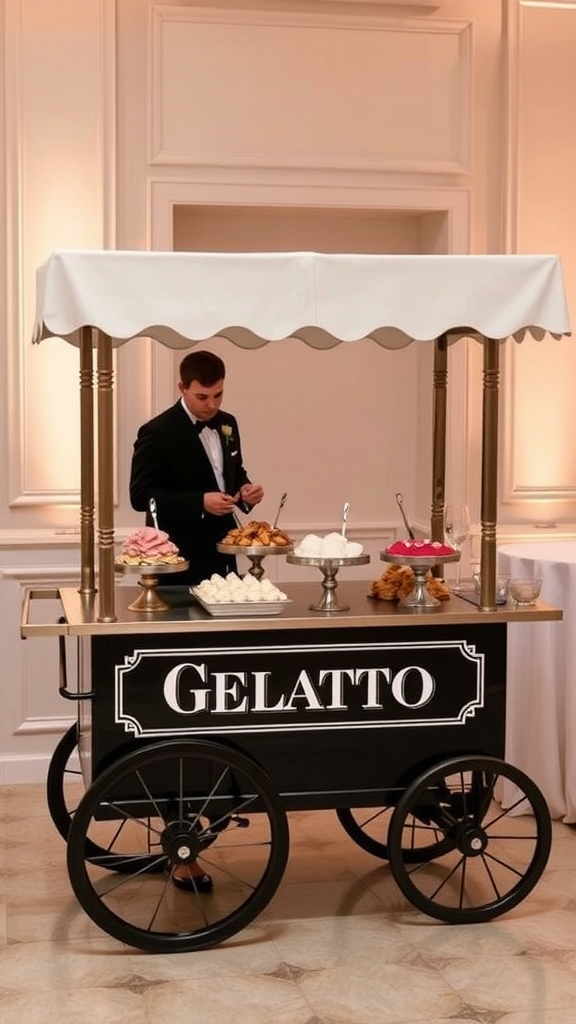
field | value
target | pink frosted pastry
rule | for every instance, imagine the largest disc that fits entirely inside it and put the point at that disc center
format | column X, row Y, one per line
column 148, row 546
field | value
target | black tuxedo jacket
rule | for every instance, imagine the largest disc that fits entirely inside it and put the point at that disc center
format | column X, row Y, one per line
column 170, row 464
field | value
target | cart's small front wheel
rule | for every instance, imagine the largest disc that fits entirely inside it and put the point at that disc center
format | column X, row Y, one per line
column 168, row 804
column 499, row 834
column 368, row 827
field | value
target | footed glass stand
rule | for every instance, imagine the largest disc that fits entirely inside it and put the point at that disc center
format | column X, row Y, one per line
column 149, row 600
column 329, row 568
column 419, row 599
column 255, row 553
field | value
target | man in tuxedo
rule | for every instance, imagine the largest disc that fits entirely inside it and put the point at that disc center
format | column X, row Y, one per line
column 189, row 460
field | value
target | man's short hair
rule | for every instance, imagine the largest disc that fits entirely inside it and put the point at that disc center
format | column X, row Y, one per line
column 205, row 367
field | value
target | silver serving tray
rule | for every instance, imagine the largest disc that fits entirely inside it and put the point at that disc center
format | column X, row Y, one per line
column 255, row 549
column 426, row 561
column 159, row 569
column 330, row 562
column 244, row 610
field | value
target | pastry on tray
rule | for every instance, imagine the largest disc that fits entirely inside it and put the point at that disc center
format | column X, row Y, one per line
column 149, row 546
column 258, row 535
column 398, row 581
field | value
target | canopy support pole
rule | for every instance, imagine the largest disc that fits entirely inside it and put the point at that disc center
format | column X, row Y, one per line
column 87, row 576
column 489, row 495
column 440, row 382
column 105, row 480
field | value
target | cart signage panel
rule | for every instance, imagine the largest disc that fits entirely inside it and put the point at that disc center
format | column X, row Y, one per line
column 298, row 687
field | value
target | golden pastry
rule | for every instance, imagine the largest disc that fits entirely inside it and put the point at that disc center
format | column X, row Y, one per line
column 257, row 534
column 397, row 582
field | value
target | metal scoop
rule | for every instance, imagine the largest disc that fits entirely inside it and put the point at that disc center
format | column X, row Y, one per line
column 399, row 500
column 280, row 507
column 153, row 511
column 345, row 511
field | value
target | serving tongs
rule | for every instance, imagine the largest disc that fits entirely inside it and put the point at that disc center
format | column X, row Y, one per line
column 399, row 502
column 280, row 507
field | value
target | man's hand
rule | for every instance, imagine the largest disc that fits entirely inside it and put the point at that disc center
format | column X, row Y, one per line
column 252, row 493
column 218, row 504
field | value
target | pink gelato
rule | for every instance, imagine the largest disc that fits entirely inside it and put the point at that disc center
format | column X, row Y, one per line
column 419, row 548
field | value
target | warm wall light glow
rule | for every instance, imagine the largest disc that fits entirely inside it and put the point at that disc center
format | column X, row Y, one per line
column 543, row 459
column 57, row 88
column 51, row 423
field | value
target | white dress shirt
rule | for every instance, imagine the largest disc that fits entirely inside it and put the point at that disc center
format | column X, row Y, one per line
column 210, row 439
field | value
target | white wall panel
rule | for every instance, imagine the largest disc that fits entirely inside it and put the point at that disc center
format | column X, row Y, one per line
column 538, row 456
column 296, row 90
column 58, row 97
column 32, row 713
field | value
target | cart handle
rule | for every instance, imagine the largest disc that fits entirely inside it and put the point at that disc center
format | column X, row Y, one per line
column 28, row 628
column 59, row 628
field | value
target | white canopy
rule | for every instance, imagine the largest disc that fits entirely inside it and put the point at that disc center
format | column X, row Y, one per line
column 253, row 298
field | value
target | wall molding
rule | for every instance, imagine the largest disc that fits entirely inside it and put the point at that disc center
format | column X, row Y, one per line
column 21, row 263
column 513, row 490
column 510, row 126
column 28, row 575
column 21, row 769
column 170, row 64
column 44, row 726
column 432, row 5
column 166, row 194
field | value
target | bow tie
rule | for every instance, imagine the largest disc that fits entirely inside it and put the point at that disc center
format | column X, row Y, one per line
column 212, row 424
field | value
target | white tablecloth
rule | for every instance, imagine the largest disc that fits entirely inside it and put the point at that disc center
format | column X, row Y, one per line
column 541, row 712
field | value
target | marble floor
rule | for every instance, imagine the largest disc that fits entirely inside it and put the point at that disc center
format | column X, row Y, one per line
column 337, row 944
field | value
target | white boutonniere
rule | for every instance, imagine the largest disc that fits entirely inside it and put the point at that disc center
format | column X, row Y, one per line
column 227, row 433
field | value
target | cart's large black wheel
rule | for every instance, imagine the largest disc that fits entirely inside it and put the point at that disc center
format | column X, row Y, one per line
column 161, row 806
column 368, row 827
column 500, row 834
column 64, row 790
column 64, row 786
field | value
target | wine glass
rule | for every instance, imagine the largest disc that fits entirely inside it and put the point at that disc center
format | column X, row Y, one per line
column 457, row 529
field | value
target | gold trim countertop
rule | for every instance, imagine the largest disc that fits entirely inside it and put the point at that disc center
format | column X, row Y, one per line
column 80, row 613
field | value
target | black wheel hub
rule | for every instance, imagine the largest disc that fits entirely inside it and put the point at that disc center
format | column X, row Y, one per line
column 471, row 839
column 180, row 842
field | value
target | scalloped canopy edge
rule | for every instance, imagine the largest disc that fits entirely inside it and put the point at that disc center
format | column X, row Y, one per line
column 252, row 299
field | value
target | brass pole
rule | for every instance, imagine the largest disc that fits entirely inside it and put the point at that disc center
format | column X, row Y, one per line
column 87, row 575
column 440, row 381
column 105, row 480
column 489, row 496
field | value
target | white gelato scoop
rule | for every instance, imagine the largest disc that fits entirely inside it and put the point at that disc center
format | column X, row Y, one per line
column 333, row 545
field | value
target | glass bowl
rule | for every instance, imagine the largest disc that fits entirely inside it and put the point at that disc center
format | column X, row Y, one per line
column 502, row 586
column 524, row 591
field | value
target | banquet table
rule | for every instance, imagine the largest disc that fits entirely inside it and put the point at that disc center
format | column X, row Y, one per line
column 541, row 717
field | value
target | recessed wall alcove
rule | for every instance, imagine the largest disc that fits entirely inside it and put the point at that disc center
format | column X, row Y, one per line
column 352, row 423
column 339, row 229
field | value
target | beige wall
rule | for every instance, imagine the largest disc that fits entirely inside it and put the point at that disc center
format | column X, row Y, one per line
column 335, row 126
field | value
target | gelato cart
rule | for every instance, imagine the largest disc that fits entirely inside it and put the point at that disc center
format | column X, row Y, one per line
column 197, row 734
